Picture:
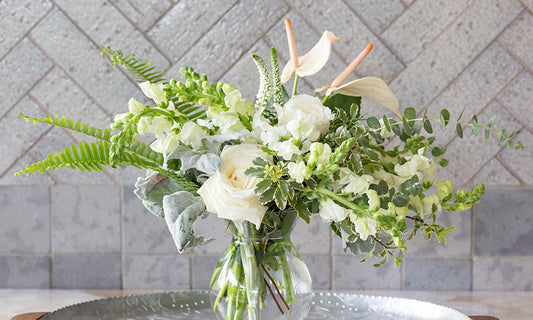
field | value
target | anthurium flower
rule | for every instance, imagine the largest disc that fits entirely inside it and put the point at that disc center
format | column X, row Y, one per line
column 311, row 62
column 370, row 87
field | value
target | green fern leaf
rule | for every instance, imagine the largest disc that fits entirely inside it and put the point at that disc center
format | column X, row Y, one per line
column 140, row 70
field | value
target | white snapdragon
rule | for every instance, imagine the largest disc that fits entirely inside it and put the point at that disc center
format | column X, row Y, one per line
column 429, row 201
column 286, row 149
column 354, row 183
column 299, row 171
column 318, row 153
column 444, row 189
column 165, row 144
column 158, row 126
column 306, row 116
column 414, row 165
column 373, row 200
column 234, row 101
column 383, row 132
column 429, row 174
column 143, row 124
column 153, row 91
column 228, row 121
column 330, row 211
column 191, row 133
column 364, row 226
column 135, row 106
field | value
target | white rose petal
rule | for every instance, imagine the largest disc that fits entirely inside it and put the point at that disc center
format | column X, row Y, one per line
column 230, row 192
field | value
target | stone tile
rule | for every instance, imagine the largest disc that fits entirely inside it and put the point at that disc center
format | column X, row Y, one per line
column 312, row 238
column 337, row 17
column 17, row 18
column 467, row 155
column 414, row 30
column 459, row 242
column 143, row 13
column 377, row 14
column 181, row 28
column 126, row 176
column 320, row 269
column 21, row 68
column 143, row 231
column 25, row 219
column 503, row 274
column 106, row 26
column 230, row 37
column 408, row 2
column 81, row 60
column 519, row 161
column 213, row 227
column 466, row 37
column 518, row 38
column 502, row 224
column 86, row 272
column 18, row 135
column 350, row 274
column 86, row 219
column 475, row 88
column 55, row 141
column 438, row 274
column 306, row 38
column 156, row 272
column 518, row 98
column 9, row 178
column 528, row 4
column 202, row 270
column 495, row 174
column 60, row 96
column 25, row 272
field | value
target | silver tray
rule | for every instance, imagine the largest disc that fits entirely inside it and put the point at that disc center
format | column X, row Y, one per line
column 194, row 305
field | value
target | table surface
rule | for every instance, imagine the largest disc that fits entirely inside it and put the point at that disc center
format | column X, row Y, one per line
column 504, row 305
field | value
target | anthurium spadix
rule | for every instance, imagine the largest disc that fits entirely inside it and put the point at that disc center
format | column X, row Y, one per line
column 370, row 87
column 311, row 62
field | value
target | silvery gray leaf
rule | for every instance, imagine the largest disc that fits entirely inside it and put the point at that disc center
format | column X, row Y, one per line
column 181, row 211
column 216, row 143
column 153, row 188
column 191, row 159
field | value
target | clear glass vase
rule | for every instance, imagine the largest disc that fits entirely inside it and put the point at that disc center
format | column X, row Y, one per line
column 260, row 277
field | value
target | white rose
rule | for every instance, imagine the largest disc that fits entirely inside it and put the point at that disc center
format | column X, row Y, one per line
column 330, row 211
column 230, row 192
column 193, row 134
column 153, row 91
column 299, row 171
column 308, row 110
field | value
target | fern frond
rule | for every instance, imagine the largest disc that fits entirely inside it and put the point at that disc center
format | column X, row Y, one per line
column 139, row 69
column 192, row 111
column 93, row 157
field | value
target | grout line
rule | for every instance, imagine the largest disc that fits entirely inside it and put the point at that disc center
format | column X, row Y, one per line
column 52, row 251
column 472, row 247
column 121, row 252
column 405, row 9
column 164, row 14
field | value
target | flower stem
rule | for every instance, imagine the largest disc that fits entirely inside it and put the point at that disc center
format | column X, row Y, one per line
column 287, row 279
column 295, row 86
column 332, row 195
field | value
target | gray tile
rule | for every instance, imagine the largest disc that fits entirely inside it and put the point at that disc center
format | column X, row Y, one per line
column 377, row 14
column 18, row 134
column 453, row 51
column 519, row 161
column 518, row 98
column 79, row 57
column 126, row 176
column 464, row 163
column 502, row 224
column 438, row 274
column 503, row 274
column 143, row 231
column 29, row 64
column 495, row 174
column 181, row 28
column 312, row 238
column 55, row 141
column 519, row 39
column 86, row 272
column 25, row 272
column 86, row 219
column 350, row 274
column 230, row 37
column 9, row 178
column 459, row 242
column 156, row 272
column 414, row 30
column 18, row 17
column 213, row 227
column 143, row 13
column 25, row 219
column 60, row 96
column 320, row 270
column 106, row 26
column 337, row 17
column 202, row 270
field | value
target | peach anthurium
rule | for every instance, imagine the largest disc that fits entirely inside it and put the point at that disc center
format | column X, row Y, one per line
column 370, row 87
column 311, row 62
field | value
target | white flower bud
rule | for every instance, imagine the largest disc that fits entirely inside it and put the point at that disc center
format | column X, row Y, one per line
column 299, row 171
column 135, row 106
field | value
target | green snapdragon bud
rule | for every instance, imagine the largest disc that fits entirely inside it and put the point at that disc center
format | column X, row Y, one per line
column 444, row 189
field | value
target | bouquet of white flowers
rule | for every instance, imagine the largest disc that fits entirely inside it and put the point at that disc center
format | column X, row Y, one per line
column 260, row 166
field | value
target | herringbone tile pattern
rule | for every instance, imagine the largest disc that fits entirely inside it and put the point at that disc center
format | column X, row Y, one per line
column 472, row 54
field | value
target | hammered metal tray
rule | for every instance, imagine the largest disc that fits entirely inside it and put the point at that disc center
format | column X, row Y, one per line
column 194, row 305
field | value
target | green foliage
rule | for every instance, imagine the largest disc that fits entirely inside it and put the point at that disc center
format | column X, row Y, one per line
column 140, row 70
